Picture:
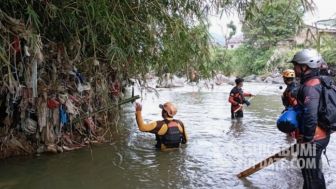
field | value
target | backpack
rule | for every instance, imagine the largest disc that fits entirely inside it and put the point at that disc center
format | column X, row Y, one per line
column 173, row 136
column 287, row 122
column 327, row 105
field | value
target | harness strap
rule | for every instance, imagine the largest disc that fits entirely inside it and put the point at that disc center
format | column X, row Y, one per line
column 325, row 154
column 160, row 138
column 168, row 121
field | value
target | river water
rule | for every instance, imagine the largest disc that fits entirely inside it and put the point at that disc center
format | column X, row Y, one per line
column 218, row 149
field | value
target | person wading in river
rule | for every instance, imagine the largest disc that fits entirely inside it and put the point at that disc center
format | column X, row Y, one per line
column 289, row 95
column 307, row 63
column 237, row 99
column 169, row 132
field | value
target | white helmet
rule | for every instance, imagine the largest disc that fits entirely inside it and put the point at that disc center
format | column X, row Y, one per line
column 309, row 57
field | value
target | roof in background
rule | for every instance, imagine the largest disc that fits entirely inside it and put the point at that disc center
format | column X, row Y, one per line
column 326, row 25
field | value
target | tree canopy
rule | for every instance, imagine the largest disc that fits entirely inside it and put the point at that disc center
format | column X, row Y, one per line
column 273, row 22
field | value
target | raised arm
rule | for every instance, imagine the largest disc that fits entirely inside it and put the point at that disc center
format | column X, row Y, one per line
column 144, row 127
column 247, row 94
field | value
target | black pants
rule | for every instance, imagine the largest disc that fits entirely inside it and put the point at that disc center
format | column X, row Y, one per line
column 311, row 164
column 238, row 114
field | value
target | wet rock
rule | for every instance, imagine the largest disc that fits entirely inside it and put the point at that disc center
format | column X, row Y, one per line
column 275, row 75
column 51, row 148
column 59, row 149
column 232, row 80
column 268, row 80
column 259, row 79
column 40, row 149
column 250, row 78
column 220, row 79
column 170, row 82
column 277, row 80
column 66, row 148
column 232, row 83
column 149, row 76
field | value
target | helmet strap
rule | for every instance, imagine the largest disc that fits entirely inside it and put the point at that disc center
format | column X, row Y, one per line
column 303, row 71
column 288, row 80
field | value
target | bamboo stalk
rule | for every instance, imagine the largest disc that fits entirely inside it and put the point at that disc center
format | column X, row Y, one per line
column 132, row 99
column 266, row 162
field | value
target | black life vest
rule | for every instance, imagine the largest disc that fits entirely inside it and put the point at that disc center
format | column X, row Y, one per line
column 238, row 95
column 172, row 138
column 289, row 95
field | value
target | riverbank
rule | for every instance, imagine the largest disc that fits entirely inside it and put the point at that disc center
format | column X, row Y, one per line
column 51, row 90
column 274, row 78
column 172, row 81
column 67, row 119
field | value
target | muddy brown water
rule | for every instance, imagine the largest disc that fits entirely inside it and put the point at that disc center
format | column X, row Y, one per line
column 218, row 149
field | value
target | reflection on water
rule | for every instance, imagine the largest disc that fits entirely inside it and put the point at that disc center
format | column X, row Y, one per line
column 236, row 127
column 219, row 148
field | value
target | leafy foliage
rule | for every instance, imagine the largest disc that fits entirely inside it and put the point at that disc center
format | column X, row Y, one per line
column 134, row 36
column 242, row 61
column 273, row 22
column 265, row 24
column 221, row 60
column 328, row 49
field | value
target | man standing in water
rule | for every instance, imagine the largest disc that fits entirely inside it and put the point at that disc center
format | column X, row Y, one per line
column 169, row 132
column 237, row 99
column 307, row 64
column 290, row 93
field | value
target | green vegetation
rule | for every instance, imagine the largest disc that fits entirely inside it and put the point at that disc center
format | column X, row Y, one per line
column 243, row 61
column 328, row 49
column 273, row 22
column 246, row 59
column 132, row 37
column 269, row 23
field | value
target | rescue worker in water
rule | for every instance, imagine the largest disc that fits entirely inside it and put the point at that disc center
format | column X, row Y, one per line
column 307, row 63
column 237, row 99
column 169, row 132
column 289, row 95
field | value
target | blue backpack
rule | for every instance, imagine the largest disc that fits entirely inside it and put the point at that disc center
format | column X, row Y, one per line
column 287, row 121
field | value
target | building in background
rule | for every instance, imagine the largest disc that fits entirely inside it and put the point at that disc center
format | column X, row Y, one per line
column 312, row 33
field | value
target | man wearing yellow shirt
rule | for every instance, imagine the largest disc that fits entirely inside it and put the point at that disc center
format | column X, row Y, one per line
column 169, row 132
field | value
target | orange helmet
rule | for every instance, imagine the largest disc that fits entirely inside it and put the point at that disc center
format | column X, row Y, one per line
column 288, row 73
column 169, row 108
